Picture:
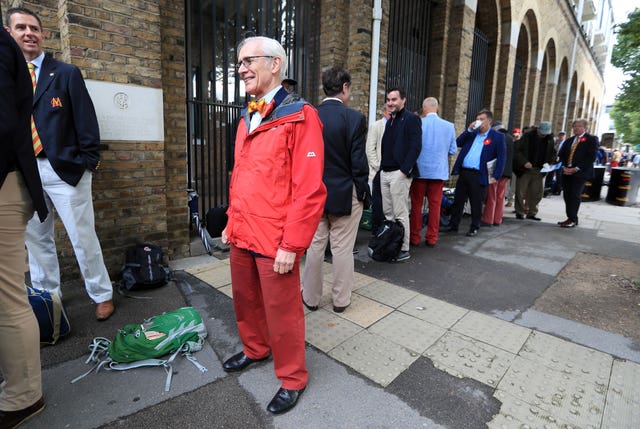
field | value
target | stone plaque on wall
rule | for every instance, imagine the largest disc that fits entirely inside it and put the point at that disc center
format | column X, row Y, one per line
column 127, row 112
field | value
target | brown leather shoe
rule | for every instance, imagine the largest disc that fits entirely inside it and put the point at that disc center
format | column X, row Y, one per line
column 12, row 419
column 104, row 310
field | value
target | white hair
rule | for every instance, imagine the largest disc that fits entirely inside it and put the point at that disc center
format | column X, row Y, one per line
column 272, row 48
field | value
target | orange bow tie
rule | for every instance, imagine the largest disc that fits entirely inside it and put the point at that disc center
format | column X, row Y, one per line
column 257, row 106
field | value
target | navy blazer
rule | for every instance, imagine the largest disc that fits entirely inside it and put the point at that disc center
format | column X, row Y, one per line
column 16, row 147
column 495, row 149
column 66, row 120
column 344, row 131
column 404, row 132
column 584, row 156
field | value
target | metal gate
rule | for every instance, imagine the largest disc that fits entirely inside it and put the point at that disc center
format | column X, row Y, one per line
column 215, row 94
column 517, row 72
column 478, row 74
column 407, row 65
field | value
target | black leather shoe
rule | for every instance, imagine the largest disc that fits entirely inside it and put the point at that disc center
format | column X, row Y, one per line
column 452, row 229
column 12, row 419
column 533, row 217
column 309, row 307
column 519, row 216
column 337, row 309
column 238, row 362
column 472, row 232
column 284, row 400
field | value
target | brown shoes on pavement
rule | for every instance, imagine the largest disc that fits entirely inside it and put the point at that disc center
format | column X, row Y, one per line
column 12, row 419
column 104, row 310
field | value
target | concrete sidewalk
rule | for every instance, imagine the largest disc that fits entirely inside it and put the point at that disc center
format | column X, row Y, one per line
column 448, row 339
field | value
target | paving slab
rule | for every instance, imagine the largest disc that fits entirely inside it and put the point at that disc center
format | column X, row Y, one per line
column 101, row 397
column 335, row 398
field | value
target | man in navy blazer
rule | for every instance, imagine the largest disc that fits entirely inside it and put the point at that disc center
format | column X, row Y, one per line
column 345, row 175
column 480, row 144
column 20, row 194
column 67, row 127
column 401, row 146
column 577, row 156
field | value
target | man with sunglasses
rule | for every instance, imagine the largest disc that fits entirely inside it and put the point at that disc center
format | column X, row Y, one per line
column 276, row 199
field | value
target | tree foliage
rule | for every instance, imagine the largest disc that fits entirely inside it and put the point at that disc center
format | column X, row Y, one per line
column 626, row 56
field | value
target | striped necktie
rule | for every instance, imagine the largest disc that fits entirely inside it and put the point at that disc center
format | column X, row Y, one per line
column 574, row 146
column 37, row 145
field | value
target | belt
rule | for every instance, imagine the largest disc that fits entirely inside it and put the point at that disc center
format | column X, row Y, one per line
column 469, row 169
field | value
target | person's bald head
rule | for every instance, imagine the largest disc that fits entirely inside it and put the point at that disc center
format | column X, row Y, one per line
column 429, row 105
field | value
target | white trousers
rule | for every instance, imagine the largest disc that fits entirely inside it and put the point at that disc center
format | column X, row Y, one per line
column 74, row 205
column 396, row 204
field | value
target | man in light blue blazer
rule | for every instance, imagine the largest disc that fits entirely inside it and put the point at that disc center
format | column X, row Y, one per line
column 438, row 142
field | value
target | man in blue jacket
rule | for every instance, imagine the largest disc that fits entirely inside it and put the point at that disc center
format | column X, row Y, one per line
column 401, row 145
column 480, row 145
column 438, row 142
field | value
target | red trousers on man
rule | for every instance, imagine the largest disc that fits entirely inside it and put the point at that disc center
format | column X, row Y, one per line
column 269, row 313
column 494, row 203
column 433, row 190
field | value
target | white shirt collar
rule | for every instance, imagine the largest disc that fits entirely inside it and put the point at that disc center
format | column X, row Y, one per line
column 37, row 61
column 269, row 95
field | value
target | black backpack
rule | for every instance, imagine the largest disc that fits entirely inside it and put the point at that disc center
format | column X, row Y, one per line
column 386, row 244
column 143, row 267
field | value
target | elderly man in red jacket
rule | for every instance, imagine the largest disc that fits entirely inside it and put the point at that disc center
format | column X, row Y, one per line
column 276, row 199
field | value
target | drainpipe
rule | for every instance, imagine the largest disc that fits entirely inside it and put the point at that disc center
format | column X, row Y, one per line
column 375, row 59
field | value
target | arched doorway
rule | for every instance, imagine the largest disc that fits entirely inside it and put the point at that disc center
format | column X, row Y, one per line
column 483, row 58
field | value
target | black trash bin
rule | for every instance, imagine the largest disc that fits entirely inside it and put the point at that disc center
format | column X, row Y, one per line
column 593, row 187
column 623, row 186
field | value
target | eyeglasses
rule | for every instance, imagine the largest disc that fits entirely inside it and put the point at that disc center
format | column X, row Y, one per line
column 247, row 61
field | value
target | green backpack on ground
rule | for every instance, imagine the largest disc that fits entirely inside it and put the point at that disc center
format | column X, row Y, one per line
column 136, row 345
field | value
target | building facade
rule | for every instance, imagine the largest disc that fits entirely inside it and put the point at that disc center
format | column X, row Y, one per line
column 526, row 60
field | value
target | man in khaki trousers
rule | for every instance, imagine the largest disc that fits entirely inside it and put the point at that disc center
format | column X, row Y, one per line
column 345, row 175
column 20, row 193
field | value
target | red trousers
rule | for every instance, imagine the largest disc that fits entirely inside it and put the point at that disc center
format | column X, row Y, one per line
column 433, row 190
column 269, row 313
column 494, row 203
